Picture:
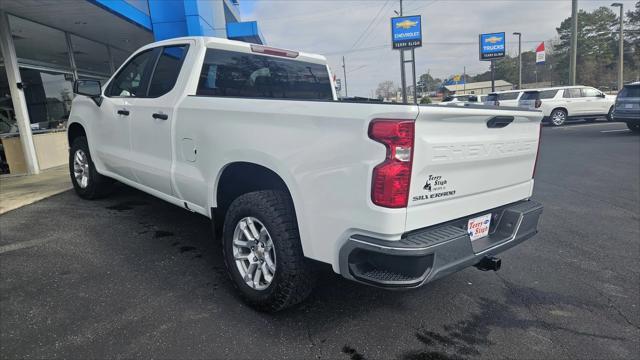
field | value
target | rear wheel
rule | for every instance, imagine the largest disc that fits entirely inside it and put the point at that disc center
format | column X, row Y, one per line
column 634, row 127
column 262, row 251
column 87, row 182
column 558, row 117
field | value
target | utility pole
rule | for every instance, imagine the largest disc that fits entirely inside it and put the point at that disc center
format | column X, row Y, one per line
column 519, row 59
column 621, row 47
column 344, row 71
column 574, row 42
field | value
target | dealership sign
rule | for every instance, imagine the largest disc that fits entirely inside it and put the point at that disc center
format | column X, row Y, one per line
column 406, row 32
column 492, row 46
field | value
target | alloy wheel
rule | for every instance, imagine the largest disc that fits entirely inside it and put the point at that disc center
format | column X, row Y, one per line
column 254, row 253
column 81, row 168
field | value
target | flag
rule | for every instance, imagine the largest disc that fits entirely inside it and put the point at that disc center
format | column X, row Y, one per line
column 540, row 55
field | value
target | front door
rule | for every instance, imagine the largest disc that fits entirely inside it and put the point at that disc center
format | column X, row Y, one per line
column 111, row 128
column 152, row 121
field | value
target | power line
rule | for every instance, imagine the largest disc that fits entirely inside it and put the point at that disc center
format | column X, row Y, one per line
column 371, row 23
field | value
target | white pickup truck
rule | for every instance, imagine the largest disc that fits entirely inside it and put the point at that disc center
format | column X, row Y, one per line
column 254, row 138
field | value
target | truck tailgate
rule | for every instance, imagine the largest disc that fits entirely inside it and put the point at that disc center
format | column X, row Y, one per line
column 467, row 160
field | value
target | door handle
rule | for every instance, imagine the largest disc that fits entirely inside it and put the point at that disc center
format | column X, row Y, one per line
column 160, row 116
column 497, row 122
column 123, row 112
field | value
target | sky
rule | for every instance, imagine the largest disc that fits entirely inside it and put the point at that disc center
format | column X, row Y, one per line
column 450, row 28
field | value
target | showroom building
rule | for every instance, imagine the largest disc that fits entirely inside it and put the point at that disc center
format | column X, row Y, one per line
column 47, row 44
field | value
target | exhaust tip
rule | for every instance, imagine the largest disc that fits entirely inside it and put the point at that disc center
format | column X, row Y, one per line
column 489, row 263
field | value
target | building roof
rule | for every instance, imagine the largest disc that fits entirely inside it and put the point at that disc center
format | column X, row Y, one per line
column 477, row 85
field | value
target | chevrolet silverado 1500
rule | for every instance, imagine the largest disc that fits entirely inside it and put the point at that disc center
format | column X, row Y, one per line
column 254, row 137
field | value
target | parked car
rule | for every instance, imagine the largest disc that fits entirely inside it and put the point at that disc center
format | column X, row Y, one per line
column 627, row 106
column 503, row 98
column 254, row 138
column 459, row 99
column 562, row 104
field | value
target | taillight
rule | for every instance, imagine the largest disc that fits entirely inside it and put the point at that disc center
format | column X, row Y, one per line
column 391, row 178
column 535, row 164
column 538, row 103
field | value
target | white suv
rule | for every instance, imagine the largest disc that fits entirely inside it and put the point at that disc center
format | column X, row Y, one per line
column 574, row 102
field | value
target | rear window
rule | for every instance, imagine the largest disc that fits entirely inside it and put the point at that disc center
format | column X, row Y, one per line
column 548, row 94
column 236, row 74
column 572, row 93
column 530, row 95
column 508, row 96
column 630, row 92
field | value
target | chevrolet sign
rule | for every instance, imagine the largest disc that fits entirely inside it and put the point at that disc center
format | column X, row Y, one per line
column 406, row 32
column 492, row 46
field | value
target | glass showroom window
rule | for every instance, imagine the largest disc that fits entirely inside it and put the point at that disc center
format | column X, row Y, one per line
column 48, row 96
column 39, row 45
column 90, row 57
column 118, row 56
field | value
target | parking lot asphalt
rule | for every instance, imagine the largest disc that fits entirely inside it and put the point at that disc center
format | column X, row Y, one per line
column 131, row 276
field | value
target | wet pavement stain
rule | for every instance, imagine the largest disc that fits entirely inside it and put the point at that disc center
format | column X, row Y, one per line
column 184, row 249
column 466, row 337
column 161, row 233
column 353, row 353
column 127, row 205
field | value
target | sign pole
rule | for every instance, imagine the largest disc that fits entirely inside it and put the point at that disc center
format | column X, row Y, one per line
column 413, row 71
column 403, row 79
column 493, row 80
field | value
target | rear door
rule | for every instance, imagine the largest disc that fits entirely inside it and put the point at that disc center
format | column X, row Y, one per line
column 469, row 160
column 573, row 101
column 152, row 119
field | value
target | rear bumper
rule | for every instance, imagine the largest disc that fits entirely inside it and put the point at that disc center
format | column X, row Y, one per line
column 431, row 253
column 632, row 117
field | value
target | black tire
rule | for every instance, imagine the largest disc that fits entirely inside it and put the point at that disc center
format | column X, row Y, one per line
column 634, row 127
column 610, row 114
column 97, row 186
column 294, row 277
column 558, row 117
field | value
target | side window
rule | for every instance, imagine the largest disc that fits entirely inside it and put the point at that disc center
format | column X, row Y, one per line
column 572, row 93
column 508, row 96
column 548, row 94
column 167, row 70
column 589, row 92
column 131, row 80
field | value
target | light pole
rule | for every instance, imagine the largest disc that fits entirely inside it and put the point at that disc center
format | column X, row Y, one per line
column 574, row 42
column 519, row 59
column 621, row 47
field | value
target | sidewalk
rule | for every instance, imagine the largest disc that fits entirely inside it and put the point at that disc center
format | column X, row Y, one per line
column 18, row 191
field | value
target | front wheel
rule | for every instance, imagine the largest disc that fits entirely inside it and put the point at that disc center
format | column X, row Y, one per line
column 262, row 251
column 610, row 114
column 87, row 182
column 634, row 127
column 558, row 117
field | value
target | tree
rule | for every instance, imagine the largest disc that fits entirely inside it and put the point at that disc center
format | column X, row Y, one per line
column 428, row 83
column 386, row 90
column 632, row 44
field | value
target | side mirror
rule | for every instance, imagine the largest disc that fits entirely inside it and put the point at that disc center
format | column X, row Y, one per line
column 602, row 95
column 90, row 88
